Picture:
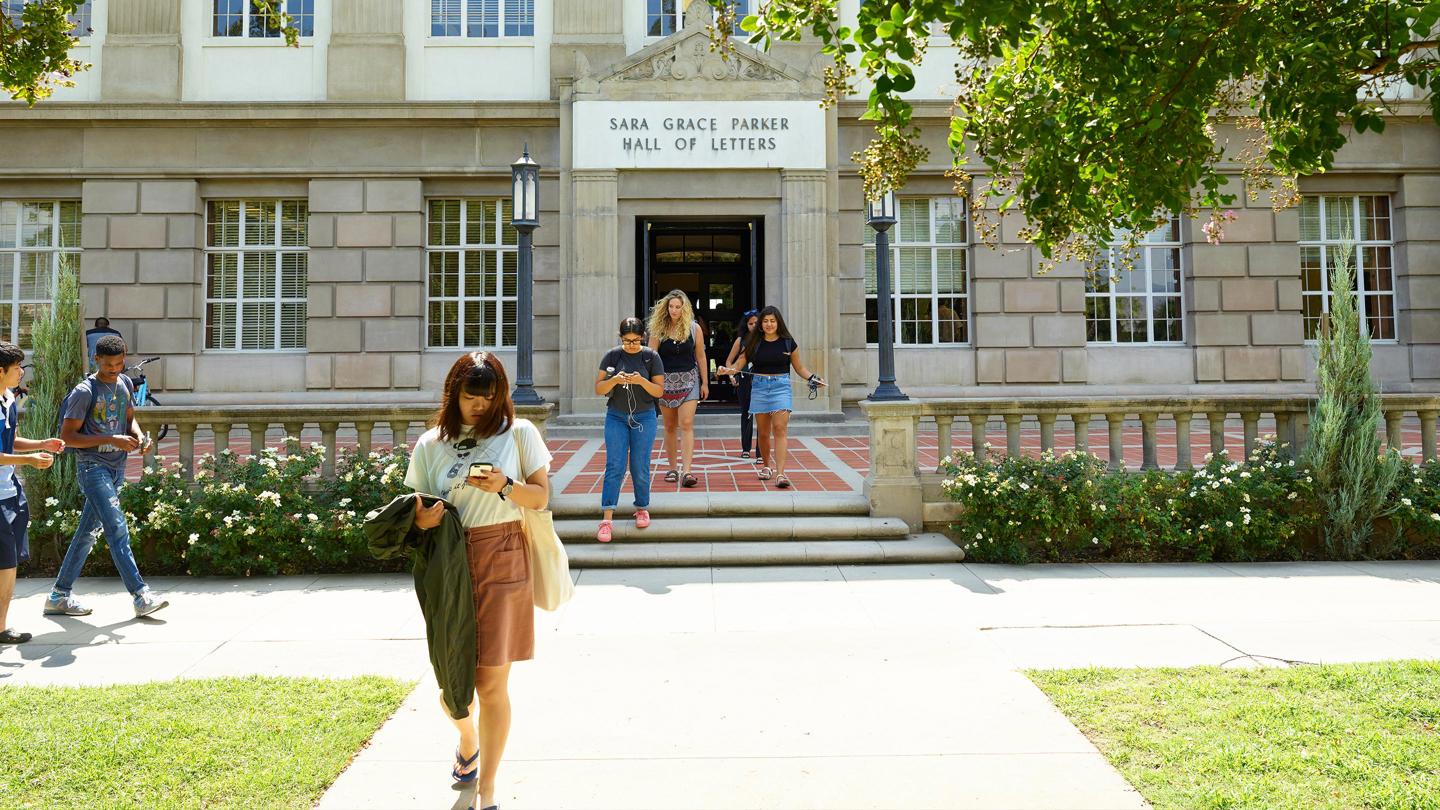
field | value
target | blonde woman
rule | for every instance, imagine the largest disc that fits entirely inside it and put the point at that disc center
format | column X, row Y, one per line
column 681, row 345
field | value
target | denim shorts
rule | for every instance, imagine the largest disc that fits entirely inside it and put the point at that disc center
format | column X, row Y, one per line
column 14, row 532
column 770, row 394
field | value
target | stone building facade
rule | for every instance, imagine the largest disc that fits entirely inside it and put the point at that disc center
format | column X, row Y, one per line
column 327, row 223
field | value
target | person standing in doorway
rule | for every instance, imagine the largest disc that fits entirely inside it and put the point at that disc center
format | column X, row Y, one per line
column 15, row 450
column 99, row 423
column 749, row 322
column 773, row 352
column 632, row 377
column 488, row 465
column 681, row 345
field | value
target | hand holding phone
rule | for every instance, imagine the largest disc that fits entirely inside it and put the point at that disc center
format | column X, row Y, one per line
column 480, row 469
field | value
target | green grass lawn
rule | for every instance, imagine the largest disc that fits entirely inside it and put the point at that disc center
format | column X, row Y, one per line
column 1339, row 736
column 233, row 742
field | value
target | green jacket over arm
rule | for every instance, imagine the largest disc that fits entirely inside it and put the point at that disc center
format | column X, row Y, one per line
column 442, row 584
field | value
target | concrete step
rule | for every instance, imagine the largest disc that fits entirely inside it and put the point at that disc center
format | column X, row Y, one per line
column 923, row 548
column 738, row 529
column 719, row 504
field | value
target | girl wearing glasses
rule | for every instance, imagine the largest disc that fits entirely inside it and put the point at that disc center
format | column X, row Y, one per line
column 748, row 323
column 773, row 353
column 632, row 377
column 476, row 424
column 681, row 345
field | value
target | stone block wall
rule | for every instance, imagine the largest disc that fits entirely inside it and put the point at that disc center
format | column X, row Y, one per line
column 1416, row 219
column 367, row 284
column 142, row 269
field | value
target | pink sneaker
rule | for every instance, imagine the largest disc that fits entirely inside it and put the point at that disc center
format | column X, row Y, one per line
column 604, row 532
column 642, row 518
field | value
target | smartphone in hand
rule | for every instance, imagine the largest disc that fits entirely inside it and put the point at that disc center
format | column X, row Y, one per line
column 481, row 468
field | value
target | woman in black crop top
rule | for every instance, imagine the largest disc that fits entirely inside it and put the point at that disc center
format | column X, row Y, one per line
column 773, row 353
column 681, row 344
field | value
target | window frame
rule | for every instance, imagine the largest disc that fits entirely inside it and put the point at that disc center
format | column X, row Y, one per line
column 55, row 250
column 1361, row 292
column 464, row 37
column 677, row 21
column 277, row 248
column 248, row 11
column 462, row 248
column 965, row 248
column 83, row 13
column 1149, row 296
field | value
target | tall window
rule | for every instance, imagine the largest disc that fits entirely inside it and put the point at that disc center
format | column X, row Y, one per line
column 662, row 17
column 36, row 240
column 927, row 267
column 81, row 16
column 244, row 18
column 256, row 269
column 1136, row 297
column 1356, row 230
column 482, row 18
column 471, row 285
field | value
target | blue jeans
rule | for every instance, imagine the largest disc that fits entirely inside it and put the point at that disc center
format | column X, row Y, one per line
column 621, row 441
column 101, row 487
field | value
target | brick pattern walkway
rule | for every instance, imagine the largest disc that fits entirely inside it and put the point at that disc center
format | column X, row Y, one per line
column 718, row 468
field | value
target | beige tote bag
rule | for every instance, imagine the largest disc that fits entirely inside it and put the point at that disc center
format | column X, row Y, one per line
column 549, row 565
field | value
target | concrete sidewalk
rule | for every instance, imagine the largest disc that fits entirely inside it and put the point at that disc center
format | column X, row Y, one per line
column 835, row 687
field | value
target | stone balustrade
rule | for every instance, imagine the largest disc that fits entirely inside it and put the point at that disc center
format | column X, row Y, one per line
column 221, row 420
column 896, row 489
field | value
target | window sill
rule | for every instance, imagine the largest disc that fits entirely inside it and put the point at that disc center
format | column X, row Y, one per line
column 1156, row 344
column 923, row 346
column 255, row 351
column 448, row 349
column 306, row 43
column 480, row 42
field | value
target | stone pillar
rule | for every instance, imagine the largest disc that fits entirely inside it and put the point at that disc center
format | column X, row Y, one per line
column 893, row 484
column 594, row 293
column 367, row 284
column 805, row 274
column 142, row 55
column 1244, row 298
column 366, row 52
column 142, row 269
column 592, row 29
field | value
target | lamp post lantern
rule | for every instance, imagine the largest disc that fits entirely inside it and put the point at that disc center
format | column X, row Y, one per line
column 525, row 218
column 880, row 214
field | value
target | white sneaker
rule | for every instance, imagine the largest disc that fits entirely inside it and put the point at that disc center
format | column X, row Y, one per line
column 65, row 606
column 147, row 602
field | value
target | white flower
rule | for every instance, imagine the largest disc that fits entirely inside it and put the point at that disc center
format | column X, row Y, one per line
column 267, row 495
column 1406, row 501
column 1024, row 486
column 1100, row 506
column 344, row 501
column 1229, row 525
column 249, row 530
column 1094, row 541
column 1434, row 516
column 194, row 538
column 52, row 501
column 311, row 517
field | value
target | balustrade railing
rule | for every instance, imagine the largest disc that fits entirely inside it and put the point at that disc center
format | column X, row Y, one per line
column 895, row 429
column 221, row 421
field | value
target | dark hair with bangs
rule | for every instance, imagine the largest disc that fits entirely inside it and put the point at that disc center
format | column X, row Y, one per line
column 477, row 374
column 10, row 354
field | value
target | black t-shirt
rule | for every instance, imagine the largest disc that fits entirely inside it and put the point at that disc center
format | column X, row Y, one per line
column 773, row 356
column 647, row 362
column 678, row 355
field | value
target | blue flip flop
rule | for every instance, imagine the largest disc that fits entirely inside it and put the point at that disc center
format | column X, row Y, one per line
column 465, row 778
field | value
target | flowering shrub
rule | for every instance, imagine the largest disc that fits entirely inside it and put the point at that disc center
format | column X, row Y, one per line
column 257, row 515
column 1070, row 507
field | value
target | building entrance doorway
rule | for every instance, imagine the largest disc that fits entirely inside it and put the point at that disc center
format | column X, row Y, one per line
column 717, row 264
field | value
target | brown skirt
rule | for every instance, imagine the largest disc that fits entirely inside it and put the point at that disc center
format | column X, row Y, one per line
column 504, row 594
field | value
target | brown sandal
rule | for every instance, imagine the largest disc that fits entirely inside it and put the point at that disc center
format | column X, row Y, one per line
column 672, row 476
column 688, row 480
column 782, row 482
column 764, row 474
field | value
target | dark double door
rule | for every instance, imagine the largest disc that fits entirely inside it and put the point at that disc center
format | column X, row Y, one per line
column 717, row 265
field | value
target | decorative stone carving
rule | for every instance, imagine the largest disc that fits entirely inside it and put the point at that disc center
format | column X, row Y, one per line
column 692, row 59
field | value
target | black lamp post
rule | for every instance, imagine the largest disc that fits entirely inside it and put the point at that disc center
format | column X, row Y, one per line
column 880, row 215
column 525, row 218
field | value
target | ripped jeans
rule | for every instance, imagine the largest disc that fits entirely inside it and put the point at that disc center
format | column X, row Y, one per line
column 101, row 487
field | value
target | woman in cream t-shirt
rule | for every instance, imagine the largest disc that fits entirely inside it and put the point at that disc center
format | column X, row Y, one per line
column 476, row 424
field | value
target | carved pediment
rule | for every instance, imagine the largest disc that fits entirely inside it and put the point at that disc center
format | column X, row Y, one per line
column 687, row 58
